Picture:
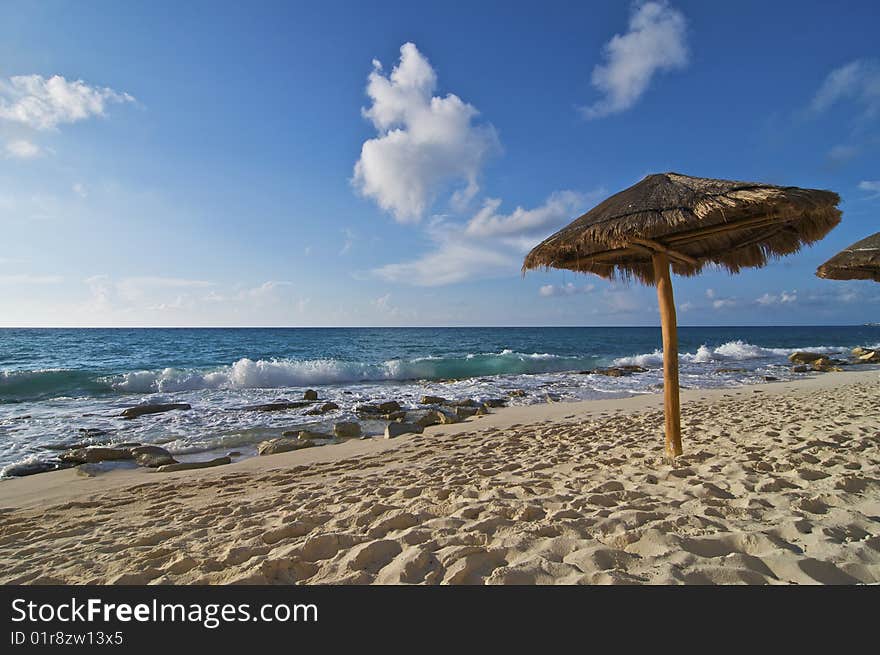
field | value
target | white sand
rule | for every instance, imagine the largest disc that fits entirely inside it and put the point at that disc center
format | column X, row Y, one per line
column 780, row 483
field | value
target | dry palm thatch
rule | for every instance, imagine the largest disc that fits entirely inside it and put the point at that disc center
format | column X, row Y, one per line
column 683, row 223
column 696, row 221
column 861, row 261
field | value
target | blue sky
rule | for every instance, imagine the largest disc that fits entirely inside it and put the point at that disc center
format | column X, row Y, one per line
column 391, row 163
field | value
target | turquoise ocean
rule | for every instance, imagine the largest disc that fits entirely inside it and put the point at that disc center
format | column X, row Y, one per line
column 62, row 387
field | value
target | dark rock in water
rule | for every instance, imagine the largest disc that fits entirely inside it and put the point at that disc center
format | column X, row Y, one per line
column 140, row 410
column 464, row 412
column 67, row 446
column 804, row 357
column 430, row 418
column 32, row 468
column 433, row 417
column 278, row 407
column 233, row 453
column 347, row 430
column 466, row 402
column 381, row 408
column 127, row 444
column 93, row 432
column 770, row 378
column 21, row 418
column 185, row 466
column 311, row 435
column 826, row 365
column 323, row 409
column 432, row 400
column 730, row 370
column 868, row 357
column 395, row 416
column 95, row 454
column 495, row 402
column 310, row 394
column 800, row 368
column 396, row 429
column 517, row 393
column 152, row 456
column 615, row 371
column 283, row 445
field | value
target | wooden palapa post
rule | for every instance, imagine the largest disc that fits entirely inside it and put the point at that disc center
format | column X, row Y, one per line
column 670, row 353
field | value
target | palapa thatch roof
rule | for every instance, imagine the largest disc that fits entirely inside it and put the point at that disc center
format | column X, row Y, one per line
column 861, row 261
column 698, row 221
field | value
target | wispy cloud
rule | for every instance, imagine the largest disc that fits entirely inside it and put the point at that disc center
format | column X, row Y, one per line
column 44, row 103
column 489, row 244
column 568, row 289
column 23, row 149
column 528, row 224
column 655, row 42
column 842, row 153
column 347, row 244
column 871, row 186
column 719, row 302
column 424, row 141
column 782, row 298
column 858, row 81
column 855, row 88
column 454, row 259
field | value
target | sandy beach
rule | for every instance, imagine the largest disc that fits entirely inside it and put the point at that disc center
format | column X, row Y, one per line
column 779, row 484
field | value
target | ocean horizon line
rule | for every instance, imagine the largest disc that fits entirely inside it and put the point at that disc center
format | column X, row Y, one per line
column 419, row 327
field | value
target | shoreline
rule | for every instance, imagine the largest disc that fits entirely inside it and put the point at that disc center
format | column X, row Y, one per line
column 779, row 484
column 57, row 484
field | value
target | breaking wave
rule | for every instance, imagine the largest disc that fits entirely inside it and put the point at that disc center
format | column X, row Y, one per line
column 732, row 351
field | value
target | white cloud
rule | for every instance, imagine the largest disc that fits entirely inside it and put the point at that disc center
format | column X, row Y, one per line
column 131, row 296
column 719, row 302
column 80, row 190
column 842, row 153
column 453, row 260
column 783, row 298
column 686, row 306
column 384, row 306
column 348, row 243
column 43, row 103
column 871, row 186
column 528, row 224
column 569, row 289
column 487, row 245
column 655, row 42
column 23, row 149
column 858, row 81
column 424, row 142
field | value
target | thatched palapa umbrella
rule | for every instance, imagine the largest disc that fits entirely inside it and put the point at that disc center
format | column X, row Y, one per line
column 861, row 261
column 686, row 222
